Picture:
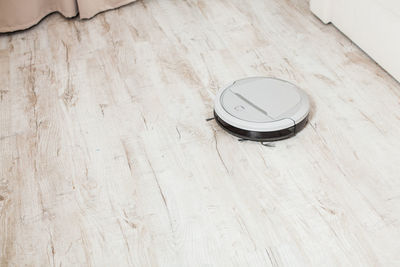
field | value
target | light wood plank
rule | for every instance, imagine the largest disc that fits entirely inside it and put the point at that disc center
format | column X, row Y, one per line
column 106, row 158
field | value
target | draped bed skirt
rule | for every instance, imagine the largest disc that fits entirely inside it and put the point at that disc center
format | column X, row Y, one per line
column 22, row 14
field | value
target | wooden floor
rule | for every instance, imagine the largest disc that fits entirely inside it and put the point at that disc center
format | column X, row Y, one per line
column 107, row 160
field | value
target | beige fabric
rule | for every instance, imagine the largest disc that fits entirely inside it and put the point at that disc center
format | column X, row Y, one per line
column 21, row 14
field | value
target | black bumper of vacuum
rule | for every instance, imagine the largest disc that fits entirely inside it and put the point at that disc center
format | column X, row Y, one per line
column 262, row 136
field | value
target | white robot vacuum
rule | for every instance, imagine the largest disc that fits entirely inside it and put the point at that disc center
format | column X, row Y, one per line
column 262, row 109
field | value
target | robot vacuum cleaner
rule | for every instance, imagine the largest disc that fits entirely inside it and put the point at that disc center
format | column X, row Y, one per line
column 262, row 109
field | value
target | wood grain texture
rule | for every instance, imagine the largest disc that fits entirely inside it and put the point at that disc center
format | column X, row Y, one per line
column 106, row 158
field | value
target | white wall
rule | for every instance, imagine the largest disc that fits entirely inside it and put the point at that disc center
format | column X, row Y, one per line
column 374, row 25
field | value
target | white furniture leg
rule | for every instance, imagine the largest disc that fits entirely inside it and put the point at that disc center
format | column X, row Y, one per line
column 322, row 9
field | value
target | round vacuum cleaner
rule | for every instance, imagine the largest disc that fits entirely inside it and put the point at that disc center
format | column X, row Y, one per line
column 262, row 109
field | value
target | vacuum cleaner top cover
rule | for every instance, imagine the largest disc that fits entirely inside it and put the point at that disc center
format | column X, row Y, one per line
column 261, row 104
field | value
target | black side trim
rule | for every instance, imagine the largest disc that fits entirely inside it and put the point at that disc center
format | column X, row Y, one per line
column 262, row 136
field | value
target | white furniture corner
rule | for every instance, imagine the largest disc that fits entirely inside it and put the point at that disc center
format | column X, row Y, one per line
column 374, row 25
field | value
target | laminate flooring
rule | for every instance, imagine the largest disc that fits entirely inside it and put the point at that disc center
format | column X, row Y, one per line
column 106, row 158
